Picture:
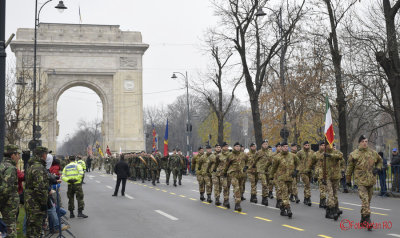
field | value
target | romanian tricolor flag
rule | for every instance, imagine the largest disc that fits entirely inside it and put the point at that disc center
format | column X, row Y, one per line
column 154, row 138
column 166, row 140
column 329, row 134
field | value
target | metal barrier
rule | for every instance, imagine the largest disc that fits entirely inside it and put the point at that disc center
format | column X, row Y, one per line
column 388, row 180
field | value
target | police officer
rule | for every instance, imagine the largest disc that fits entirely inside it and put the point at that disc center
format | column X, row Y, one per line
column 9, row 198
column 365, row 163
column 73, row 175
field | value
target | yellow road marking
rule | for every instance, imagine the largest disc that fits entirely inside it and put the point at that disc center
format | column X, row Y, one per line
column 172, row 193
column 243, row 213
column 150, row 187
column 206, row 203
column 292, row 227
column 345, row 208
column 145, row 185
column 261, row 218
column 379, row 214
column 193, row 199
column 164, row 191
column 182, row 196
column 324, row 236
column 157, row 189
column 222, row 207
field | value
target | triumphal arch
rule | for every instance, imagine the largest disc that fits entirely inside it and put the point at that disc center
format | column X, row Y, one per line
column 101, row 57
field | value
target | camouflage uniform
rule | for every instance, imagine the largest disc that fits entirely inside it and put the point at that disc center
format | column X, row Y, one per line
column 220, row 165
column 107, row 164
column 305, row 159
column 293, row 190
column 242, row 174
column 175, row 165
column 273, row 182
column 9, row 198
column 164, row 166
column 199, row 175
column 142, row 165
column 333, row 175
column 36, row 194
column 232, row 170
column 216, row 178
column 157, row 155
column 204, row 163
column 153, row 168
column 318, row 159
column 263, row 163
column 101, row 162
column 252, row 172
column 362, row 162
column 184, row 166
column 283, row 167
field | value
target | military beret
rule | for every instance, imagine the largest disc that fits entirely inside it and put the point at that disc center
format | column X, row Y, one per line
column 321, row 142
column 178, row 149
column 224, row 144
column 216, row 145
column 11, row 149
column 237, row 143
column 293, row 144
column 306, row 142
column 284, row 143
column 278, row 144
column 265, row 141
column 39, row 150
column 362, row 137
column 72, row 157
column 333, row 144
column 208, row 147
column 200, row 148
column 252, row 144
column 269, row 147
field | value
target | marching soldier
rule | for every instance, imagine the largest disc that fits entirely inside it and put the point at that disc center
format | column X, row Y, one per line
column 263, row 163
column 252, row 172
column 285, row 169
column 242, row 172
column 107, row 164
column 318, row 160
column 184, row 164
column 220, row 166
column 175, row 165
column 365, row 163
column 276, row 156
column 153, row 169
column 157, row 155
column 9, row 198
column 142, row 165
column 232, row 172
column 305, row 159
column 216, row 178
column 204, row 163
column 196, row 168
column 293, row 190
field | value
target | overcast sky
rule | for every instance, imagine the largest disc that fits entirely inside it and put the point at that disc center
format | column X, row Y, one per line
column 173, row 29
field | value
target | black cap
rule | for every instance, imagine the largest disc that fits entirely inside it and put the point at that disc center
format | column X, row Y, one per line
column 174, row 149
column 265, row 141
column 177, row 149
column 333, row 144
column 200, row 148
column 208, row 147
column 216, row 145
column 293, row 144
column 321, row 142
column 306, row 142
column 252, row 144
column 224, row 144
column 237, row 143
column 278, row 144
column 269, row 147
column 284, row 143
column 362, row 137
column 71, row 157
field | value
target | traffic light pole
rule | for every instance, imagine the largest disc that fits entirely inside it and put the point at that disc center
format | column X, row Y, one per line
column 3, row 56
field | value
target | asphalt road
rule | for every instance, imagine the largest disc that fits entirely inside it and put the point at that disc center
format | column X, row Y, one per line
column 167, row 211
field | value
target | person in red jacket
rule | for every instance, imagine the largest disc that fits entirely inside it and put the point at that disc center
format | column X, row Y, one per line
column 21, row 178
column 55, row 167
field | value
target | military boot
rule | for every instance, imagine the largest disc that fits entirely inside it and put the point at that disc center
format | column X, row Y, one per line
column 335, row 213
column 202, row 198
column 80, row 214
column 180, row 183
column 264, row 201
column 71, row 214
column 289, row 211
column 237, row 207
column 283, row 211
column 363, row 221
column 291, row 198
column 217, row 202
column 278, row 203
column 296, row 198
column 142, row 180
column 226, row 204
column 153, row 182
column 305, row 201
column 209, row 198
column 158, row 180
column 369, row 224
column 271, row 196
column 329, row 213
column 338, row 211
column 242, row 198
column 167, row 182
column 322, row 203
column 174, row 183
column 309, row 202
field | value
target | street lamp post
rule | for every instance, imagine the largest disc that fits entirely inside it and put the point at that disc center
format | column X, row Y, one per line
column 3, row 56
column 188, row 124
column 61, row 7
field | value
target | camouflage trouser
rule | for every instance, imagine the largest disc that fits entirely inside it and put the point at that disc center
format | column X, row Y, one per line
column 217, row 182
column 293, row 189
column 100, row 165
column 226, row 184
column 9, row 210
column 271, row 185
column 176, row 173
column 332, row 186
column 284, row 187
column 264, row 184
column 209, row 184
column 167, row 174
column 200, row 180
column 365, row 193
column 322, row 189
column 34, row 220
column 153, row 175
column 75, row 189
column 242, row 183
column 142, row 174
column 234, row 178
column 133, row 172
column 107, row 168
column 277, row 187
column 158, row 173
column 253, row 181
column 307, row 188
column 180, row 175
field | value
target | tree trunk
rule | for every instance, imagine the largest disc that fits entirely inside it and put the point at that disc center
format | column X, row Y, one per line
column 255, row 112
column 395, row 92
column 220, row 130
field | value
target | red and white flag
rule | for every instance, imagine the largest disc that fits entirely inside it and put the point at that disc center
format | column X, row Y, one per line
column 108, row 151
column 329, row 134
